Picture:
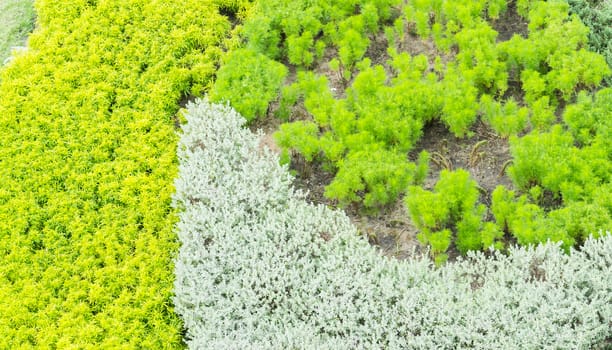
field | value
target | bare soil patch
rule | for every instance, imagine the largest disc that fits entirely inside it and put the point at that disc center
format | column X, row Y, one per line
column 337, row 84
column 510, row 23
column 484, row 154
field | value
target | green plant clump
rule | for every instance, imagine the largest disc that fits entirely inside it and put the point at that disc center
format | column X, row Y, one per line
column 88, row 159
column 553, row 58
column 248, row 81
column 451, row 208
column 597, row 15
column 300, row 32
column 364, row 132
column 570, row 164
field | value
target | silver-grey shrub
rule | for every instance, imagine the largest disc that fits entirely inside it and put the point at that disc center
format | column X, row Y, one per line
column 259, row 268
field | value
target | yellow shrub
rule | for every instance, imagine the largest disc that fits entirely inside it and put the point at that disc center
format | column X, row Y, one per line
column 87, row 160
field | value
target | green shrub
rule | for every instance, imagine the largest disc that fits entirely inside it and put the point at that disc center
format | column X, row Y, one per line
column 460, row 106
column 579, row 219
column 553, row 53
column 533, row 84
column 589, row 119
column 573, row 166
column 300, row 30
column 507, row 119
column 454, row 15
column 388, row 111
column 299, row 49
column 541, row 159
column 597, row 16
column 530, row 224
column 249, row 81
column 542, row 114
column 88, row 160
column 380, row 174
column 478, row 58
column 552, row 161
column 451, row 207
column 384, row 108
column 525, row 221
column 301, row 136
column 352, row 47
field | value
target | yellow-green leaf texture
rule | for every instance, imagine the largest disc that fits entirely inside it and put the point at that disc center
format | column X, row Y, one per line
column 87, row 162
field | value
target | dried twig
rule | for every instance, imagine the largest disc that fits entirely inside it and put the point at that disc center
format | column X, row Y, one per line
column 474, row 155
column 441, row 161
column 503, row 169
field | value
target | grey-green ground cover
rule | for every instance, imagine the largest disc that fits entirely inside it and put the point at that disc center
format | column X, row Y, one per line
column 16, row 22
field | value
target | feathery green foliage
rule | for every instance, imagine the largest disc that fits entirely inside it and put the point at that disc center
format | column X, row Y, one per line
column 365, row 136
column 248, row 81
column 589, row 119
column 555, row 51
column 572, row 166
column 597, row 15
column 451, row 209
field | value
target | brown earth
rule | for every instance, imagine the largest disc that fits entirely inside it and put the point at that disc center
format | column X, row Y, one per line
column 510, row 23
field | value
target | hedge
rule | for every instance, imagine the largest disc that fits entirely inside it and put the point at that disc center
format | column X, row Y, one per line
column 87, row 158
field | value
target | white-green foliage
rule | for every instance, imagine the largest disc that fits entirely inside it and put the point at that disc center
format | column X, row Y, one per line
column 259, row 268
